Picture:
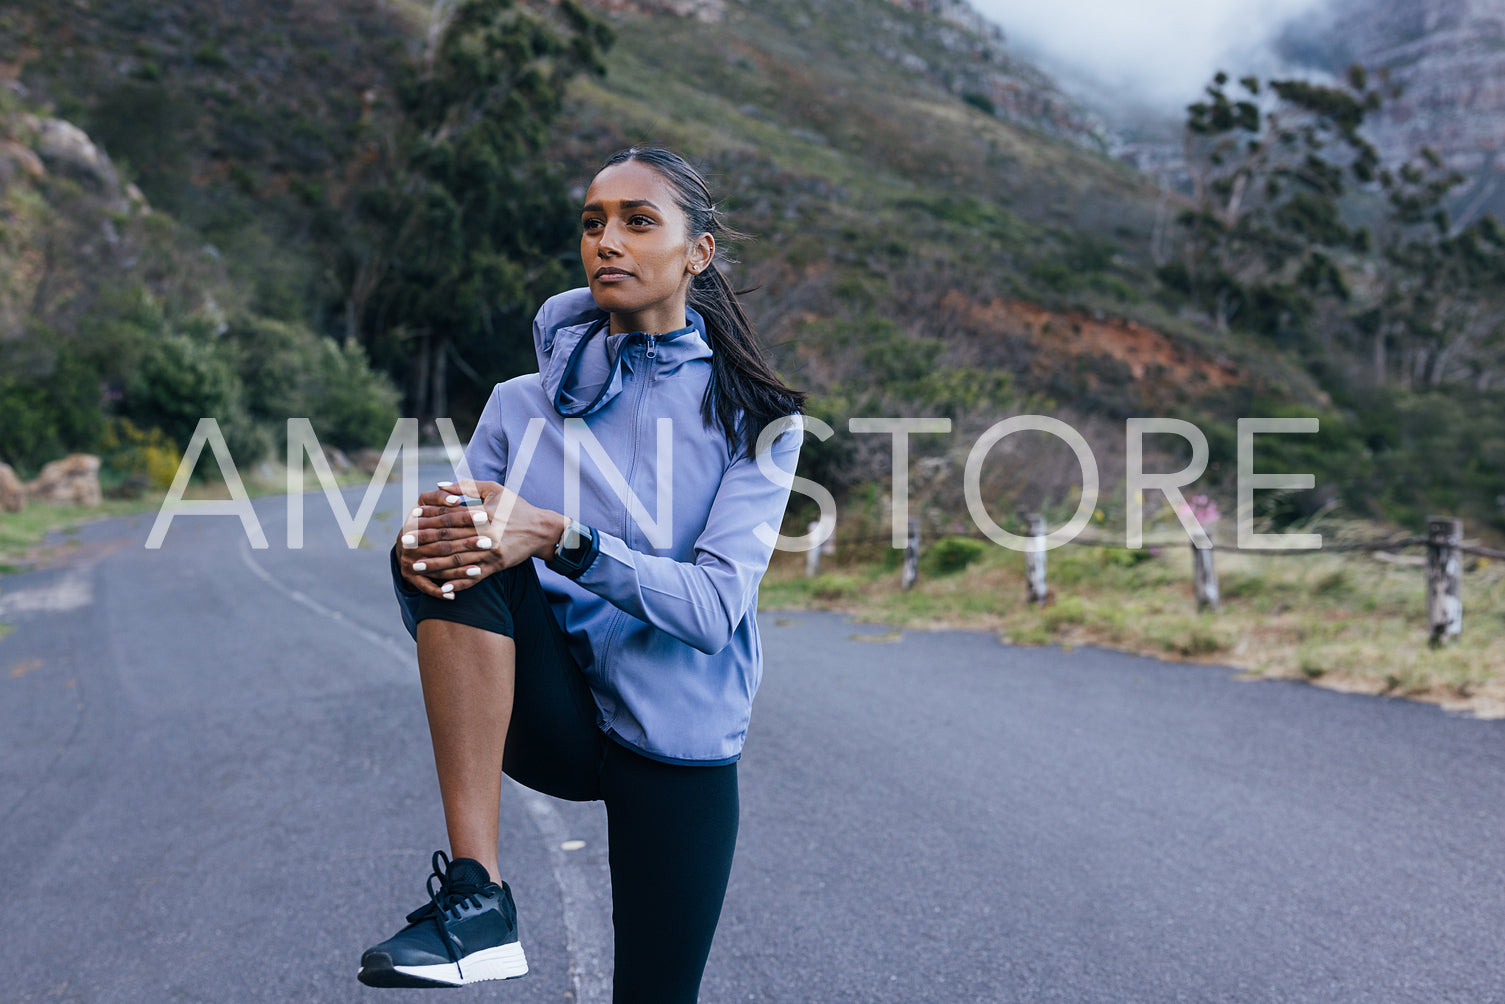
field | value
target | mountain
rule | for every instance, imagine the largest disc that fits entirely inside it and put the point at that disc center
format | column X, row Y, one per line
column 939, row 229
column 971, row 58
column 1448, row 56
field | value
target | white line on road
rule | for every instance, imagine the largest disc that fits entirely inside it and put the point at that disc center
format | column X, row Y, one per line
column 586, row 924
column 73, row 590
column 589, row 936
column 385, row 642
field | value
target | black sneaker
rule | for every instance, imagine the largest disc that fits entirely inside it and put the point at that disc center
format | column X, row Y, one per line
column 465, row 933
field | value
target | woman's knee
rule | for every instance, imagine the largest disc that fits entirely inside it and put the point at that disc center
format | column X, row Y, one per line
column 483, row 605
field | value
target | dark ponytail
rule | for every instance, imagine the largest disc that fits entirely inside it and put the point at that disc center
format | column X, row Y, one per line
column 744, row 394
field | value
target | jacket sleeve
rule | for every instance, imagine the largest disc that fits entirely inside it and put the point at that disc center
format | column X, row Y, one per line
column 701, row 602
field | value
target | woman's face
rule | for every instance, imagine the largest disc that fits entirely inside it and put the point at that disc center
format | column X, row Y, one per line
column 637, row 258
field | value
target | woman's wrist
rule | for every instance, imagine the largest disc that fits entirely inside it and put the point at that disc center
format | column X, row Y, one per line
column 555, row 524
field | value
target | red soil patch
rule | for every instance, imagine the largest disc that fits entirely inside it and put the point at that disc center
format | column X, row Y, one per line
column 1143, row 350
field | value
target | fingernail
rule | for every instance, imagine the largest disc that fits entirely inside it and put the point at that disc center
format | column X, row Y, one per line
column 452, row 499
column 448, row 587
column 480, row 516
column 484, row 543
column 449, row 596
column 418, row 511
column 445, row 484
column 420, row 566
column 408, row 540
column 472, row 571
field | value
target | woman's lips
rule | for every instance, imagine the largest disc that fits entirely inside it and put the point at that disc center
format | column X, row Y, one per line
column 612, row 276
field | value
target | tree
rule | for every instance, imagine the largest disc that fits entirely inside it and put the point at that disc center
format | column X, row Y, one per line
column 1269, row 168
column 1439, row 315
column 457, row 225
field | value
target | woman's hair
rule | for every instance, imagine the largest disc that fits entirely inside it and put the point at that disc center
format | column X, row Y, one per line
column 744, row 394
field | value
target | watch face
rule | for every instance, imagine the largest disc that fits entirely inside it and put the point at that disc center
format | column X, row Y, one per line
column 574, row 542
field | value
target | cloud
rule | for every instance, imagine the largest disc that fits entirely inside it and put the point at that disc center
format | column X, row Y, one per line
column 1154, row 52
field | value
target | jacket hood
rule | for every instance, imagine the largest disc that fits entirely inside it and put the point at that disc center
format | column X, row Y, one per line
column 580, row 364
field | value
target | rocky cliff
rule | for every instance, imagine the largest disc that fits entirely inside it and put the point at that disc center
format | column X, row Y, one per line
column 1449, row 58
column 976, row 64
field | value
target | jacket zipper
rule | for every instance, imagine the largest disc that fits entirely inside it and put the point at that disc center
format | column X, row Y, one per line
column 632, row 466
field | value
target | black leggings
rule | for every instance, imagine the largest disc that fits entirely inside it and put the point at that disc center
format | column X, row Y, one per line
column 671, row 827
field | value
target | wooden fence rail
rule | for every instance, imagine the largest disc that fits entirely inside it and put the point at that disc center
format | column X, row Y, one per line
column 1444, row 565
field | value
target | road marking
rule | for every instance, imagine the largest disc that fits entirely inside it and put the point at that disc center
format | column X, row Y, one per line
column 586, row 924
column 73, row 590
column 587, row 930
column 385, row 642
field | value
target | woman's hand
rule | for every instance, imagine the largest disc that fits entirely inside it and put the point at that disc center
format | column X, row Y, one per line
column 446, row 545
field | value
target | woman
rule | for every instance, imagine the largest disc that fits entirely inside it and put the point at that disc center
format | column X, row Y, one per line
column 623, row 667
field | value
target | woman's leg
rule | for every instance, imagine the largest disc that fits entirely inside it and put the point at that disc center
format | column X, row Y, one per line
column 502, row 692
column 672, row 831
column 467, row 676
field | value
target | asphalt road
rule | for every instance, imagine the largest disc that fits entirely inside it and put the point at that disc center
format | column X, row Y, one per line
column 215, row 785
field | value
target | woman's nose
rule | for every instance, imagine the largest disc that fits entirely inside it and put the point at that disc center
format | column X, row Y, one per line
column 610, row 241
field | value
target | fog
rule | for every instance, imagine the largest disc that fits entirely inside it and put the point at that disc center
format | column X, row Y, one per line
column 1155, row 53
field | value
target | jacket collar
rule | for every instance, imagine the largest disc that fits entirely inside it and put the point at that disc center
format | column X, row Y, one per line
column 581, row 365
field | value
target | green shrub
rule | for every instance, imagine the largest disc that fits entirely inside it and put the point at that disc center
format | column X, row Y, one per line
column 1053, row 275
column 48, row 408
column 1187, row 638
column 1238, row 586
column 834, row 588
column 351, row 405
column 1335, row 584
column 1125, row 557
column 184, row 379
column 290, row 371
column 981, row 102
column 952, row 554
column 134, row 460
column 1069, row 610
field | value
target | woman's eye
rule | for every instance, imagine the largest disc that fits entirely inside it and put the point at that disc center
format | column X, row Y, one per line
column 642, row 221
column 590, row 224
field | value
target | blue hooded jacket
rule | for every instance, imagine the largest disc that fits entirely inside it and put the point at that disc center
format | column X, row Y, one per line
column 663, row 621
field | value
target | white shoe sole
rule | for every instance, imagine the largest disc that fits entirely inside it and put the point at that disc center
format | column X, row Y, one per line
column 500, row 963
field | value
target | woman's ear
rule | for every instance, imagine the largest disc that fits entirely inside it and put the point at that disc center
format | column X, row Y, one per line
column 701, row 253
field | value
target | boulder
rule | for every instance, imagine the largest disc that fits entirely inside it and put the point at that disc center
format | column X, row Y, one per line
column 12, row 492
column 17, row 159
column 74, row 480
column 366, row 459
column 67, row 149
column 338, row 462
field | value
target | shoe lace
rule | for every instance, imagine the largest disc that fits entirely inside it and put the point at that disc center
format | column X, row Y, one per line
column 445, row 902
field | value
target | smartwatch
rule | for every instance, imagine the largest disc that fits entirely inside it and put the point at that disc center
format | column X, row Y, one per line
column 575, row 551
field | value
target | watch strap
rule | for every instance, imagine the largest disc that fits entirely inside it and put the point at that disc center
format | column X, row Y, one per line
column 577, row 549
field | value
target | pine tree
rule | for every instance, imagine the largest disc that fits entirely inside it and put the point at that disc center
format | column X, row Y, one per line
column 1269, row 168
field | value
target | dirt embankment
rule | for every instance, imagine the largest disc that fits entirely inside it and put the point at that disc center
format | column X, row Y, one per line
column 1057, row 337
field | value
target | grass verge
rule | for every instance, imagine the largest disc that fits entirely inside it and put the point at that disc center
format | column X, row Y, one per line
column 37, row 534
column 1341, row 620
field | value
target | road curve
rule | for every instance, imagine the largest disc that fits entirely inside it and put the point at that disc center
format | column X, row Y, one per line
column 215, row 785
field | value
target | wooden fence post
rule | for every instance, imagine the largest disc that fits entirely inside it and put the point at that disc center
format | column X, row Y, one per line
column 1444, row 579
column 911, row 570
column 1034, row 561
column 1204, row 578
column 812, row 556
column 827, row 547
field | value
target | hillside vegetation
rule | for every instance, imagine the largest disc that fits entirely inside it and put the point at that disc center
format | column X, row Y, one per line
column 938, row 233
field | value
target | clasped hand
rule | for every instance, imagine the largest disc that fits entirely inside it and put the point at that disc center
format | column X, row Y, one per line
column 465, row 530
